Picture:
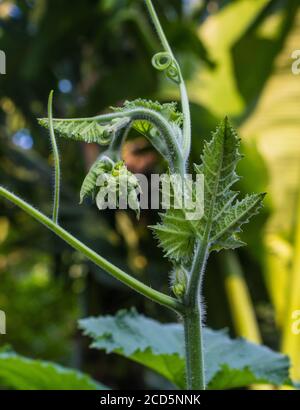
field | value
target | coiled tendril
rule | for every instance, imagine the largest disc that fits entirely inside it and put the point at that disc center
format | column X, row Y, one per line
column 164, row 61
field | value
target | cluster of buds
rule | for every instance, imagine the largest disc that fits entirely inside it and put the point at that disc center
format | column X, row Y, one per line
column 118, row 189
column 114, row 186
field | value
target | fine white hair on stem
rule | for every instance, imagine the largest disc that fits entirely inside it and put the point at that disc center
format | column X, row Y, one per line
column 56, row 161
column 180, row 80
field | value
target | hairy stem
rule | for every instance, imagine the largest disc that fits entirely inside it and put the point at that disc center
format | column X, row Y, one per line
column 195, row 370
column 114, row 150
column 192, row 317
column 164, row 128
column 183, row 91
column 117, row 273
column 56, row 161
column 197, row 272
column 195, row 377
column 176, row 159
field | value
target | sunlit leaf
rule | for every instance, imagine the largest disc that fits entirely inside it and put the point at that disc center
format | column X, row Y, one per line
column 229, row 363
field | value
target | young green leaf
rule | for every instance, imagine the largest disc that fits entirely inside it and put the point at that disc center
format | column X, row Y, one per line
column 87, row 130
column 230, row 363
column 89, row 183
column 168, row 110
column 161, row 124
column 146, row 128
column 223, row 213
column 176, row 235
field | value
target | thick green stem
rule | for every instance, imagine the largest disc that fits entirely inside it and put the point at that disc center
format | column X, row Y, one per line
column 197, row 272
column 195, row 377
column 192, row 319
column 117, row 273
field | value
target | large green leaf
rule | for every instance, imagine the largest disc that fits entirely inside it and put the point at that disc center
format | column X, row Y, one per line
column 229, row 363
column 22, row 373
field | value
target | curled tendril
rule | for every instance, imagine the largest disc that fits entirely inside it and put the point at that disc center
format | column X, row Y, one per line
column 164, row 61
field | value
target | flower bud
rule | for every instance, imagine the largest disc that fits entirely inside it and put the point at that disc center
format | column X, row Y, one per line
column 179, row 281
column 117, row 187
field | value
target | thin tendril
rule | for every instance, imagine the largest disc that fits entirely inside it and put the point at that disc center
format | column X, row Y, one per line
column 182, row 86
column 164, row 61
column 56, row 161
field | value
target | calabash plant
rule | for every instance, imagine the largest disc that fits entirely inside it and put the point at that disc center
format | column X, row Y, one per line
column 187, row 243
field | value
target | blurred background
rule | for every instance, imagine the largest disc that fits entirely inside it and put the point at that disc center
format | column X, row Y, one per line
column 237, row 59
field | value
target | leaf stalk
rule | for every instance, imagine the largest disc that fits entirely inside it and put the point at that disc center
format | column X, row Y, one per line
column 114, row 271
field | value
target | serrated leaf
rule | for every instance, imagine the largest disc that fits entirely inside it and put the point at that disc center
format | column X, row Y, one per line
column 89, row 182
column 86, row 130
column 224, row 214
column 21, row 373
column 235, row 216
column 167, row 110
column 232, row 242
column 176, row 235
column 229, row 363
